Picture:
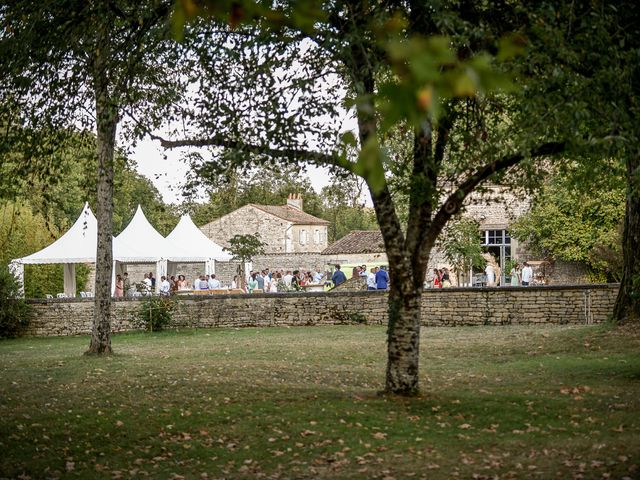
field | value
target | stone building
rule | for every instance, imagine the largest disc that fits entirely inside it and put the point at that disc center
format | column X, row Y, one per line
column 285, row 229
column 293, row 238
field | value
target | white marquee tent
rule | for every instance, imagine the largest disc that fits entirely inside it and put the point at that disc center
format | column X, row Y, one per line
column 199, row 247
column 77, row 245
column 139, row 242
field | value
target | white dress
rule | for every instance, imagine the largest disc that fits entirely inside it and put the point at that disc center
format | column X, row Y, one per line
column 491, row 275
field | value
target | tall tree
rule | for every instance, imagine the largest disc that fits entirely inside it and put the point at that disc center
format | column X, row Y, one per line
column 90, row 63
column 426, row 72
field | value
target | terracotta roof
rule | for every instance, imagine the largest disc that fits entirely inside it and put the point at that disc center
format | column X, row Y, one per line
column 291, row 214
column 358, row 241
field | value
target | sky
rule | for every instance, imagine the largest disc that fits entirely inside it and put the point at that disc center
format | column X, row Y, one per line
column 167, row 173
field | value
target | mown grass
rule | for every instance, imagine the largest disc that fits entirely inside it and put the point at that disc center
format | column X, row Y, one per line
column 498, row 402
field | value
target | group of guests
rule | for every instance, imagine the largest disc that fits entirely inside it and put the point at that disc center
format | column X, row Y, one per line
column 168, row 284
column 282, row 281
column 376, row 278
column 441, row 278
column 522, row 276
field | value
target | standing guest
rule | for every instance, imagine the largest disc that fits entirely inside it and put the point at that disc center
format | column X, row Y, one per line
column 355, row 273
column 317, row 277
column 182, row 283
column 165, row 286
column 273, row 284
column 446, row 280
column 153, row 279
column 371, row 279
column 173, row 284
column 363, row 271
column 119, row 291
column 382, row 279
column 515, row 275
column 234, row 282
column 253, row 283
column 527, row 274
column 203, row 284
column 267, row 282
column 338, row 276
column 295, row 280
column 436, row 279
column 147, row 284
column 126, row 284
column 260, row 280
column 287, row 278
column 281, row 284
column 214, row 283
column 490, row 272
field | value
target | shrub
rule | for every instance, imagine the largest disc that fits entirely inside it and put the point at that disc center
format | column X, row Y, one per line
column 155, row 313
column 15, row 314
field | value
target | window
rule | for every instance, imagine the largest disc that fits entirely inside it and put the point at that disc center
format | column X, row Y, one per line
column 317, row 238
column 303, row 237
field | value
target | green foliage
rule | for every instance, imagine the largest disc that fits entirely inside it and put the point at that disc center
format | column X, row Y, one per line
column 462, row 245
column 155, row 312
column 579, row 224
column 245, row 247
column 15, row 314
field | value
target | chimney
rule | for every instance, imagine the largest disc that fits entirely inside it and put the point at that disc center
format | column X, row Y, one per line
column 295, row 200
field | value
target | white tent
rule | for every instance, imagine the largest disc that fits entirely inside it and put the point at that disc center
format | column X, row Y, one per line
column 197, row 245
column 139, row 242
column 77, row 245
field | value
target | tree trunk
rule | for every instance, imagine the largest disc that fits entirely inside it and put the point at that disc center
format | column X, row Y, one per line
column 627, row 307
column 403, row 340
column 106, row 125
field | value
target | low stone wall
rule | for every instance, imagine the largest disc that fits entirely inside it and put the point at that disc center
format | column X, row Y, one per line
column 442, row 307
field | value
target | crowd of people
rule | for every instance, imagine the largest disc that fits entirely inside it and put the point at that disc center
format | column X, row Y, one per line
column 376, row 278
column 266, row 281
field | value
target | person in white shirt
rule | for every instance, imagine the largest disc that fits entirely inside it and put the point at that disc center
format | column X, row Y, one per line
column 287, row 278
column 527, row 274
column 371, row 279
column 147, row 284
column 165, row 286
column 213, row 282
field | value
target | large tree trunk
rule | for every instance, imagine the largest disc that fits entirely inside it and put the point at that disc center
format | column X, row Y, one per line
column 403, row 341
column 106, row 123
column 627, row 307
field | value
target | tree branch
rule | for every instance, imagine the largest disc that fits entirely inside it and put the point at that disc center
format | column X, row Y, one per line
column 294, row 154
column 453, row 204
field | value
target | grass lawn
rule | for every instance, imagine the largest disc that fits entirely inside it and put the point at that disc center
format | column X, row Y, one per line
column 499, row 402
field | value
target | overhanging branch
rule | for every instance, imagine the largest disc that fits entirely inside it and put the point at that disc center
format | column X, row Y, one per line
column 454, row 202
column 292, row 154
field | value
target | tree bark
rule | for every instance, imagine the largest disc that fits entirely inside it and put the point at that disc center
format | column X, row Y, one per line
column 403, row 339
column 106, row 125
column 627, row 307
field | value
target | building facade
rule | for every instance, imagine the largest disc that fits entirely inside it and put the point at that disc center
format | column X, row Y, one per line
column 285, row 229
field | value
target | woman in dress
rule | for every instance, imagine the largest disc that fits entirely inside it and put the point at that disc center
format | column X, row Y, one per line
column 515, row 275
column 119, row 292
column 437, row 283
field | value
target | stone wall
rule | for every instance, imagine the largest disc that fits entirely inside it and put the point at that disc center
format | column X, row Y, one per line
column 441, row 307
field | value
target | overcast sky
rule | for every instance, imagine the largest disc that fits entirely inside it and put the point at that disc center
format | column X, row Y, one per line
column 167, row 173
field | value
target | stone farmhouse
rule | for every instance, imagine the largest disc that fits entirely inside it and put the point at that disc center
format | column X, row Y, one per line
column 293, row 238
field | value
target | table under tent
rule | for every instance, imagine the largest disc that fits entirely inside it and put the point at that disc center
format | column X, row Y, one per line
column 139, row 243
